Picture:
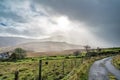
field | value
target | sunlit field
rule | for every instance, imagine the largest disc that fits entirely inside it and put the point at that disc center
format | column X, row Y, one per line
column 55, row 67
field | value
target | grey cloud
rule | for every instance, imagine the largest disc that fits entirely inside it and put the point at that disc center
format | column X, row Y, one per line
column 3, row 24
column 14, row 31
column 39, row 13
column 12, row 16
column 98, row 11
column 102, row 16
column 6, row 12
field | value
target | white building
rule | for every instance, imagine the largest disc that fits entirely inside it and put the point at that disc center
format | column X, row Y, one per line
column 4, row 55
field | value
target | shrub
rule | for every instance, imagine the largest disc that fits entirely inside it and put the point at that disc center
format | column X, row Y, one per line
column 67, row 57
column 1, row 74
column 76, row 53
column 18, row 53
column 46, row 63
column 5, row 77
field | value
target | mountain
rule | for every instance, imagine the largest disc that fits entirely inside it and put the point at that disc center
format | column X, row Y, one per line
column 54, row 43
column 12, row 41
column 47, row 46
column 56, row 38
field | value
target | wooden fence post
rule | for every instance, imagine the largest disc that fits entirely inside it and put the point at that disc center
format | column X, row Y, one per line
column 54, row 68
column 16, row 75
column 82, row 60
column 74, row 62
column 63, row 67
column 71, row 64
column 40, row 70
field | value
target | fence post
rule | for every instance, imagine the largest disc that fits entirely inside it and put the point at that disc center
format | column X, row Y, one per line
column 54, row 67
column 16, row 75
column 40, row 70
column 71, row 64
column 63, row 67
column 75, row 63
column 82, row 60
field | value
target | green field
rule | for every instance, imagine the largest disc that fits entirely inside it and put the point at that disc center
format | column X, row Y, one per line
column 116, row 61
column 28, row 68
column 53, row 68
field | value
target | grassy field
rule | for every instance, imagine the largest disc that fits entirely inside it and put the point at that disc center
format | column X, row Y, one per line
column 28, row 68
column 74, row 68
column 53, row 68
column 82, row 71
column 116, row 61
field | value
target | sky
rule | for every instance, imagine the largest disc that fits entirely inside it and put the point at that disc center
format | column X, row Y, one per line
column 84, row 22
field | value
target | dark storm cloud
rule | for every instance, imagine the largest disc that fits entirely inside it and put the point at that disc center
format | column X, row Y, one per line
column 6, row 12
column 102, row 16
column 12, row 16
column 36, row 18
column 17, row 15
column 39, row 13
column 15, row 31
column 98, row 11
column 3, row 24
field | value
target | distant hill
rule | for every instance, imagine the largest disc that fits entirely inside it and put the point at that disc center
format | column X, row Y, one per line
column 47, row 46
column 56, row 38
column 53, row 53
column 12, row 41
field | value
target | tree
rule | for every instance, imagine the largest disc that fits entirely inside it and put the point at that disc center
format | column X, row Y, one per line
column 99, row 49
column 87, row 48
column 18, row 53
column 76, row 53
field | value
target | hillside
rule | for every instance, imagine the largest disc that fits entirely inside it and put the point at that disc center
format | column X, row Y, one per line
column 12, row 41
column 37, row 47
column 47, row 46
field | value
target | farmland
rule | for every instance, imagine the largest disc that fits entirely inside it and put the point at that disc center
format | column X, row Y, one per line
column 53, row 68
column 116, row 61
column 28, row 68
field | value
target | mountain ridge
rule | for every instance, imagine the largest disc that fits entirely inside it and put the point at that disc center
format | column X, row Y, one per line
column 37, row 45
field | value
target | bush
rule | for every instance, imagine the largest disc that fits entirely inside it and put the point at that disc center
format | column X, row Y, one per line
column 18, row 53
column 1, row 74
column 76, row 53
column 67, row 57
